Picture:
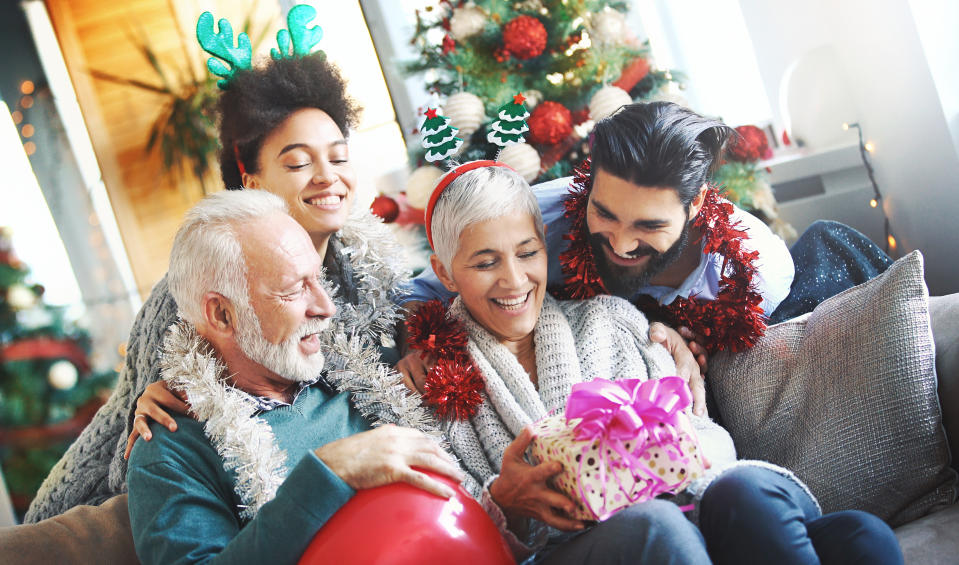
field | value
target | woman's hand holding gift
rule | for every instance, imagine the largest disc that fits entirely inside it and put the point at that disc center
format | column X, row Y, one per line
column 522, row 490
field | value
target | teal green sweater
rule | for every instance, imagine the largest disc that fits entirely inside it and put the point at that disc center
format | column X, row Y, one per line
column 183, row 507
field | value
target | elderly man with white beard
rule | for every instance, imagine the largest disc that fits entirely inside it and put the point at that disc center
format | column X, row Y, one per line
column 275, row 451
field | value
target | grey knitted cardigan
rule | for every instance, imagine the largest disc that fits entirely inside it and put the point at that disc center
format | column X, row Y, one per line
column 363, row 262
column 574, row 341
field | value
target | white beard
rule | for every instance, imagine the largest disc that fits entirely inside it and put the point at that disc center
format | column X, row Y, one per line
column 283, row 358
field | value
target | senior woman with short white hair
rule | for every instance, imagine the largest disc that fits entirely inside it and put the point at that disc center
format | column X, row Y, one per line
column 486, row 229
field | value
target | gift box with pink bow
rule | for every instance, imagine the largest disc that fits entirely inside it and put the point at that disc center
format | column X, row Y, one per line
column 620, row 443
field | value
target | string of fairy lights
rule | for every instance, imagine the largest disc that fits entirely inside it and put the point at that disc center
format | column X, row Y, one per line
column 865, row 149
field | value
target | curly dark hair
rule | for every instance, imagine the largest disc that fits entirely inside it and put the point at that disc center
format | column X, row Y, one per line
column 260, row 99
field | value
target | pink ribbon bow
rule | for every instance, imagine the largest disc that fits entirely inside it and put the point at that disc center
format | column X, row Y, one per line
column 630, row 410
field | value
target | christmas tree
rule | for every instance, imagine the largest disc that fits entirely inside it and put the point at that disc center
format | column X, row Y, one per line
column 510, row 124
column 439, row 138
column 48, row 391
column 574, row 61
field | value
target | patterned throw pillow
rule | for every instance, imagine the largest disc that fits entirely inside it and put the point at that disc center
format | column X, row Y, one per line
column 845, row 397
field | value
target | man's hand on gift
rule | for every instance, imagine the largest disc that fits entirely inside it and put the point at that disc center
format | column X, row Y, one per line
column 386, row 455
column 522, row 489
column 690, row 360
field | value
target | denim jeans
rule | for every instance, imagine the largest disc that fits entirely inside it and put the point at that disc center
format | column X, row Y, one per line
column 654, row 532
column 753, row 515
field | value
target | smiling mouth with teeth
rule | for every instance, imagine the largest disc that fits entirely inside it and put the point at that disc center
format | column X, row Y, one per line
column 512, row 303
column 331, row 200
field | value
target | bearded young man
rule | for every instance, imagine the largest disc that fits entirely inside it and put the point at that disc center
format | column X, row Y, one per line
column 642, row 222
column 275, row 449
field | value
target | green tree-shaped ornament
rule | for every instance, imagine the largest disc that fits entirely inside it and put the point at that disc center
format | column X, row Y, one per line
column 510, row 123
column 439, row 138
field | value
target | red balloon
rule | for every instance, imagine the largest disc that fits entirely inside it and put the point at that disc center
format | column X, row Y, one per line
column 399, row 524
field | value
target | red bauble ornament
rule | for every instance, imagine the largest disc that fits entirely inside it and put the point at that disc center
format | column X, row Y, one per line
column 550, row 123
column 750, row 145
column 632, row 74
column 399, row 524
column 524, row 37
column 386, row 208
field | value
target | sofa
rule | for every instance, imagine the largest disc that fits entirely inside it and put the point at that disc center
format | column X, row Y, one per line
column 926, row 525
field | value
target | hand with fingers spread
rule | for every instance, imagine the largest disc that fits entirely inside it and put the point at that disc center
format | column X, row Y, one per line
column 414, row 369
column 155, row 404
column 523, row 489
column 387, row 455
column 690, row 361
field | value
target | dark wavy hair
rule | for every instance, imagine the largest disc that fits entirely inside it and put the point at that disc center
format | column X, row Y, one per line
column 659, row 144
column 260, row 99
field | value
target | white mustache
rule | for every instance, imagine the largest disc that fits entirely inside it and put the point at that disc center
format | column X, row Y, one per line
column 314, row 326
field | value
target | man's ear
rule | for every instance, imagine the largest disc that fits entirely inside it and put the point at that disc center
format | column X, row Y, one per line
column 697, row 204
column 219, row 315
column 249, row 181
column 442, row 274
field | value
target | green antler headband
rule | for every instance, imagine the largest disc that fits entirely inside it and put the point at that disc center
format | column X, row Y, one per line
column 303, row 38
column 297, row 41
column 220, row 44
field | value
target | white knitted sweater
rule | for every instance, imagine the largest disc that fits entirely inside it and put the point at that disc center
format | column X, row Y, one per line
column 575, row 341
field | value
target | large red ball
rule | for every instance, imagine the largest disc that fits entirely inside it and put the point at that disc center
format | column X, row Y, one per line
column 399, row 524
column 550, row 123
column 385, row 207
column 524, row 37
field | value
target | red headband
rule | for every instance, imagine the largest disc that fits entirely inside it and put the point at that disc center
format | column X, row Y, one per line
column 445, row 181
column 239, row 162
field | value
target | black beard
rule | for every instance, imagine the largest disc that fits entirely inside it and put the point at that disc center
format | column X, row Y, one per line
column 626, row 281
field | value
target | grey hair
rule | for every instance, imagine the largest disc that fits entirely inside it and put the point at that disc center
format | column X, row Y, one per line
column 206, row 254
column 475, row 196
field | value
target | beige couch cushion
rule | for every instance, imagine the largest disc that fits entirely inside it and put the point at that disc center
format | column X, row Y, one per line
column 845, row 396
column 81, row 535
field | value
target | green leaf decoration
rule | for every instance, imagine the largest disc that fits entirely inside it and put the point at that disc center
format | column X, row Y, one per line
column 299, row 39
column 220, row 44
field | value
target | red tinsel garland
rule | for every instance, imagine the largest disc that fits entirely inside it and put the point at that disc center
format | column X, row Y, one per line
column 454, row 383
column 733, row 320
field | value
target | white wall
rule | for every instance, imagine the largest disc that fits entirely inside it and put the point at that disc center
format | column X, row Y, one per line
column 899, row 104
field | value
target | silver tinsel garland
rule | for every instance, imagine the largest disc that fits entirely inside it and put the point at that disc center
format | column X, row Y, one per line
column 372, row 263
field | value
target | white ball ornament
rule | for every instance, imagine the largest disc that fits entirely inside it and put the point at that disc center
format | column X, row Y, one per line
column 420, row 185
column 533, row 97
column 522, row 158
column 467, row 21
column 20, row 297
column 609, row 27
column 62, row 375
column 606, row 101
column 465, row 111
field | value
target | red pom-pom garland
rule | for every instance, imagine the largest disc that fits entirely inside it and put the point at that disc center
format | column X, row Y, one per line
column 524, row 37
column 734, row 320
column 454, row 384
column 550, row 123
column 453, row 388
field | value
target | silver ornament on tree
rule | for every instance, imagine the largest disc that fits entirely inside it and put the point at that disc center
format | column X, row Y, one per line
column 467, row 21
column 533, row 97
column 606, row 101
column 609, row 27
column 522, row 158
column 420, row 185
column 466, row 113
column 62, row 375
